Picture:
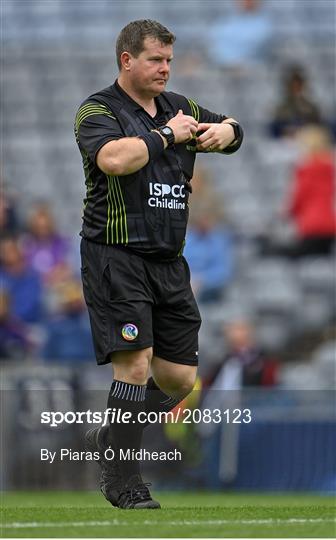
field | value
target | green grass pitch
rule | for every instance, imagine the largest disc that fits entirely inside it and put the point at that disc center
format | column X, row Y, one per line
column 186, row 515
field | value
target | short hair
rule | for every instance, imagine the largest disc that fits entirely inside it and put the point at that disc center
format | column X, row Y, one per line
column 132, row 36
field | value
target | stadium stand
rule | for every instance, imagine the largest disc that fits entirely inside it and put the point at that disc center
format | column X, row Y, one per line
column 43, row 85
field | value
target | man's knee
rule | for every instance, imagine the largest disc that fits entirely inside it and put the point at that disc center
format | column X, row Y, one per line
column 132, row 366
column 176, row 380
column 177, row 386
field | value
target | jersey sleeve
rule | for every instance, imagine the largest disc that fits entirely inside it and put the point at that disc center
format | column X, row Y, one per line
column 95, row 125
column 204, row 116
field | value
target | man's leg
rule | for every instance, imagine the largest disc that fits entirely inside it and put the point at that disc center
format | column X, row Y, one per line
column 116, row 292
column 170, row 384
column 127, row 395
column 121, row 481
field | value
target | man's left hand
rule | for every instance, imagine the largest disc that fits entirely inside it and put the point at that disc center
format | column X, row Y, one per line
column 215, row 137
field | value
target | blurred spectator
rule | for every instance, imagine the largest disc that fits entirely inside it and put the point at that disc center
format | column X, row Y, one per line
column 14, row 340
column 311, row 205
column 9, row 223
column 21, row 281
column 244, row 364
column 242, row 39
column 209, row 246
column 68, row 335
column 45, row 249
column 296, row 108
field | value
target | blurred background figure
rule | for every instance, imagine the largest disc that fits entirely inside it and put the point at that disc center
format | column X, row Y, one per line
column 241, row 39
column 311, row 203
column 67, row 331
column 244, row 363
column 21, row 281
column 14, row 338
column 209, row 246
column 9, row 220
column 296, row 107
column 45, row 249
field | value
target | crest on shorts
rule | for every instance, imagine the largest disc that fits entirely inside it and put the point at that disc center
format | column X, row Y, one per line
column 129, row 331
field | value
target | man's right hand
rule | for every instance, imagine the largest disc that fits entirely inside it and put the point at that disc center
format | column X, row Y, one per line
column 183, row 126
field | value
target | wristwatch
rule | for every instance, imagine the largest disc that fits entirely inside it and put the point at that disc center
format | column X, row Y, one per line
column 167, row 133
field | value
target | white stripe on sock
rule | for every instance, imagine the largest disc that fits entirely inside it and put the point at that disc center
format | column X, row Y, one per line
column 129, row 392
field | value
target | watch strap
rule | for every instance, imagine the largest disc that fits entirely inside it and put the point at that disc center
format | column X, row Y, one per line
column 170, row 137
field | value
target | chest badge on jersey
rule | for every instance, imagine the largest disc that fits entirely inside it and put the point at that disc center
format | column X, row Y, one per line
column 129, row 331
column 167, row 196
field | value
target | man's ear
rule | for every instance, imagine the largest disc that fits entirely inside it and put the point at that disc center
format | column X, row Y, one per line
column 125, row 59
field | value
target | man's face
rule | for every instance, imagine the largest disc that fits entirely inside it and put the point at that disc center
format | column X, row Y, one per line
column 149, row 72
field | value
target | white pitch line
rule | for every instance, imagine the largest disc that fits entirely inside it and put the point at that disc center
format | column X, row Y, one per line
column 117, row 522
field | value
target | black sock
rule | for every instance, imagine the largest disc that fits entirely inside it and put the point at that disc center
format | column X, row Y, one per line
column 126, row 436
column 158, row 401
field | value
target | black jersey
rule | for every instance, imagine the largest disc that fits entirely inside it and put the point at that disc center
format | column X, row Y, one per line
column 147, row 211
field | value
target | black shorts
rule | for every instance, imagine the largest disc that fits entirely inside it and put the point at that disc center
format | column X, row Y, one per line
column 136, row 303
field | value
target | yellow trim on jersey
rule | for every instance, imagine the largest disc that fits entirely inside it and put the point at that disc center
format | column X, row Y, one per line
column 90, row 109
column 116, row 226
column 194, row 109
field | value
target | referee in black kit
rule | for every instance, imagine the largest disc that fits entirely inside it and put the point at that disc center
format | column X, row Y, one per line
column 138, row 144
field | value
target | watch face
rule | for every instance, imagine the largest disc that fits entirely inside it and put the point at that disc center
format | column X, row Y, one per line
column 166, row 130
